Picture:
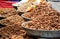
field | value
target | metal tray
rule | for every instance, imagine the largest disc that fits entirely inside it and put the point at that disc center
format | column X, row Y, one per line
column 42, row 33
column 25, row 18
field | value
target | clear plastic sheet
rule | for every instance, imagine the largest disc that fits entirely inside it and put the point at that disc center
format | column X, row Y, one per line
column 56, row 5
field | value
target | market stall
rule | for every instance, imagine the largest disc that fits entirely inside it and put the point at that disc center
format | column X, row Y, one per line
column 29, row 19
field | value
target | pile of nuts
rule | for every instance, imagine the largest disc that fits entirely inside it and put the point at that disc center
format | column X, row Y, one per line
column 43, row 15
column 6, row 12
column 49, row 20
column 38, row 10
column 12, row 20
column 13, row 32
column 10, row 27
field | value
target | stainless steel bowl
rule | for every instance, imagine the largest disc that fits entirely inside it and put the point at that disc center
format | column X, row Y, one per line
column 41, row 33
column 25, row 18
